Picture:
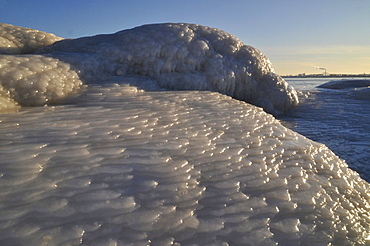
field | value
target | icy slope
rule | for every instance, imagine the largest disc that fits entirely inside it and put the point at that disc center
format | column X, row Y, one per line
column 121, row 166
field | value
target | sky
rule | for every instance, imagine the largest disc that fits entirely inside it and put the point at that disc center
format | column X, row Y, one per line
column 297, row 36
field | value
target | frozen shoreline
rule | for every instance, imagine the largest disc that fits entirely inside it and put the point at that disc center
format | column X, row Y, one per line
column 123, row 162
column 334, row 117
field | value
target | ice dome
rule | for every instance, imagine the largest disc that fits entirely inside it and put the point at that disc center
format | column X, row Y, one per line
column 186, row 57
column 126, row 162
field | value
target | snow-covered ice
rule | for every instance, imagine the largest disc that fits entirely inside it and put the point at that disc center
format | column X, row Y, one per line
column 125, row 162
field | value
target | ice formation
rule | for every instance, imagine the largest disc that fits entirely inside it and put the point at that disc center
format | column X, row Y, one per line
column 361, row 93
column 184, row 56
column 35, row 80
column 358, row 88
column 176, row 56
column 32, row 79
column 21, row 40
column 127, row 167
column 346, row 84
column 125, row 163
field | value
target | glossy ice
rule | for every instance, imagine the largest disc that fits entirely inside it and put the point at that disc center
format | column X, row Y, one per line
column 125, row 162
column 123, row 166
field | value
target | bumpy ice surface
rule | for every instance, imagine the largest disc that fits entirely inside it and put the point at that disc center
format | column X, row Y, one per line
column 171, row 168
column 32, row 79
column 183, row 56
column 176, row 56
column 128, row 163
column 35, row 80
column 20, row 40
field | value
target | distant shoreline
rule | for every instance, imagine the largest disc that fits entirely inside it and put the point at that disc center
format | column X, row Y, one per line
column 327, row 76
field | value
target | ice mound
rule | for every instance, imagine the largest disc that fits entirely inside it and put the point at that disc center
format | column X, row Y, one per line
column 176, row 56
column 32, row 79
column 21, row 40
column 358, row 88
column 123, row 166
column 183, row 57
column 35, row 80
column 361, row 93
column 346, row 84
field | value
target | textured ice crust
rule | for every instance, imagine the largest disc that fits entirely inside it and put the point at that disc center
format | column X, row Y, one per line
column 125, row 163
column 35, row 80
column 29, row 80
column 127, row 167
column 21, row 40
column 176, row 56
column 183, row 56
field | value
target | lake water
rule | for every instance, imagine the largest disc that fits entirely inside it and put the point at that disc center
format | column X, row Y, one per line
column 334, row 118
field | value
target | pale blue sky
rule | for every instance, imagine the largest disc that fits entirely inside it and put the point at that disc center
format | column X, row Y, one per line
column 296, row 35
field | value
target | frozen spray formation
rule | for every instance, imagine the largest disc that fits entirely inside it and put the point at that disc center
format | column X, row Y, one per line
column 21, row 40
column 35, row 80
column 176, row 56
column 186, row 57
column 31, row 79
column 120, row 165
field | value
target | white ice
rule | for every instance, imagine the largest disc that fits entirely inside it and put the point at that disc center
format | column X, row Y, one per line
column 20, row 40
column 183, row 56
column 126, row 163
column 176, row 56
column 35, row 80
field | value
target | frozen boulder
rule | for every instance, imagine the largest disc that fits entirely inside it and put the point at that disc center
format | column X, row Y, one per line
column 183, row 57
